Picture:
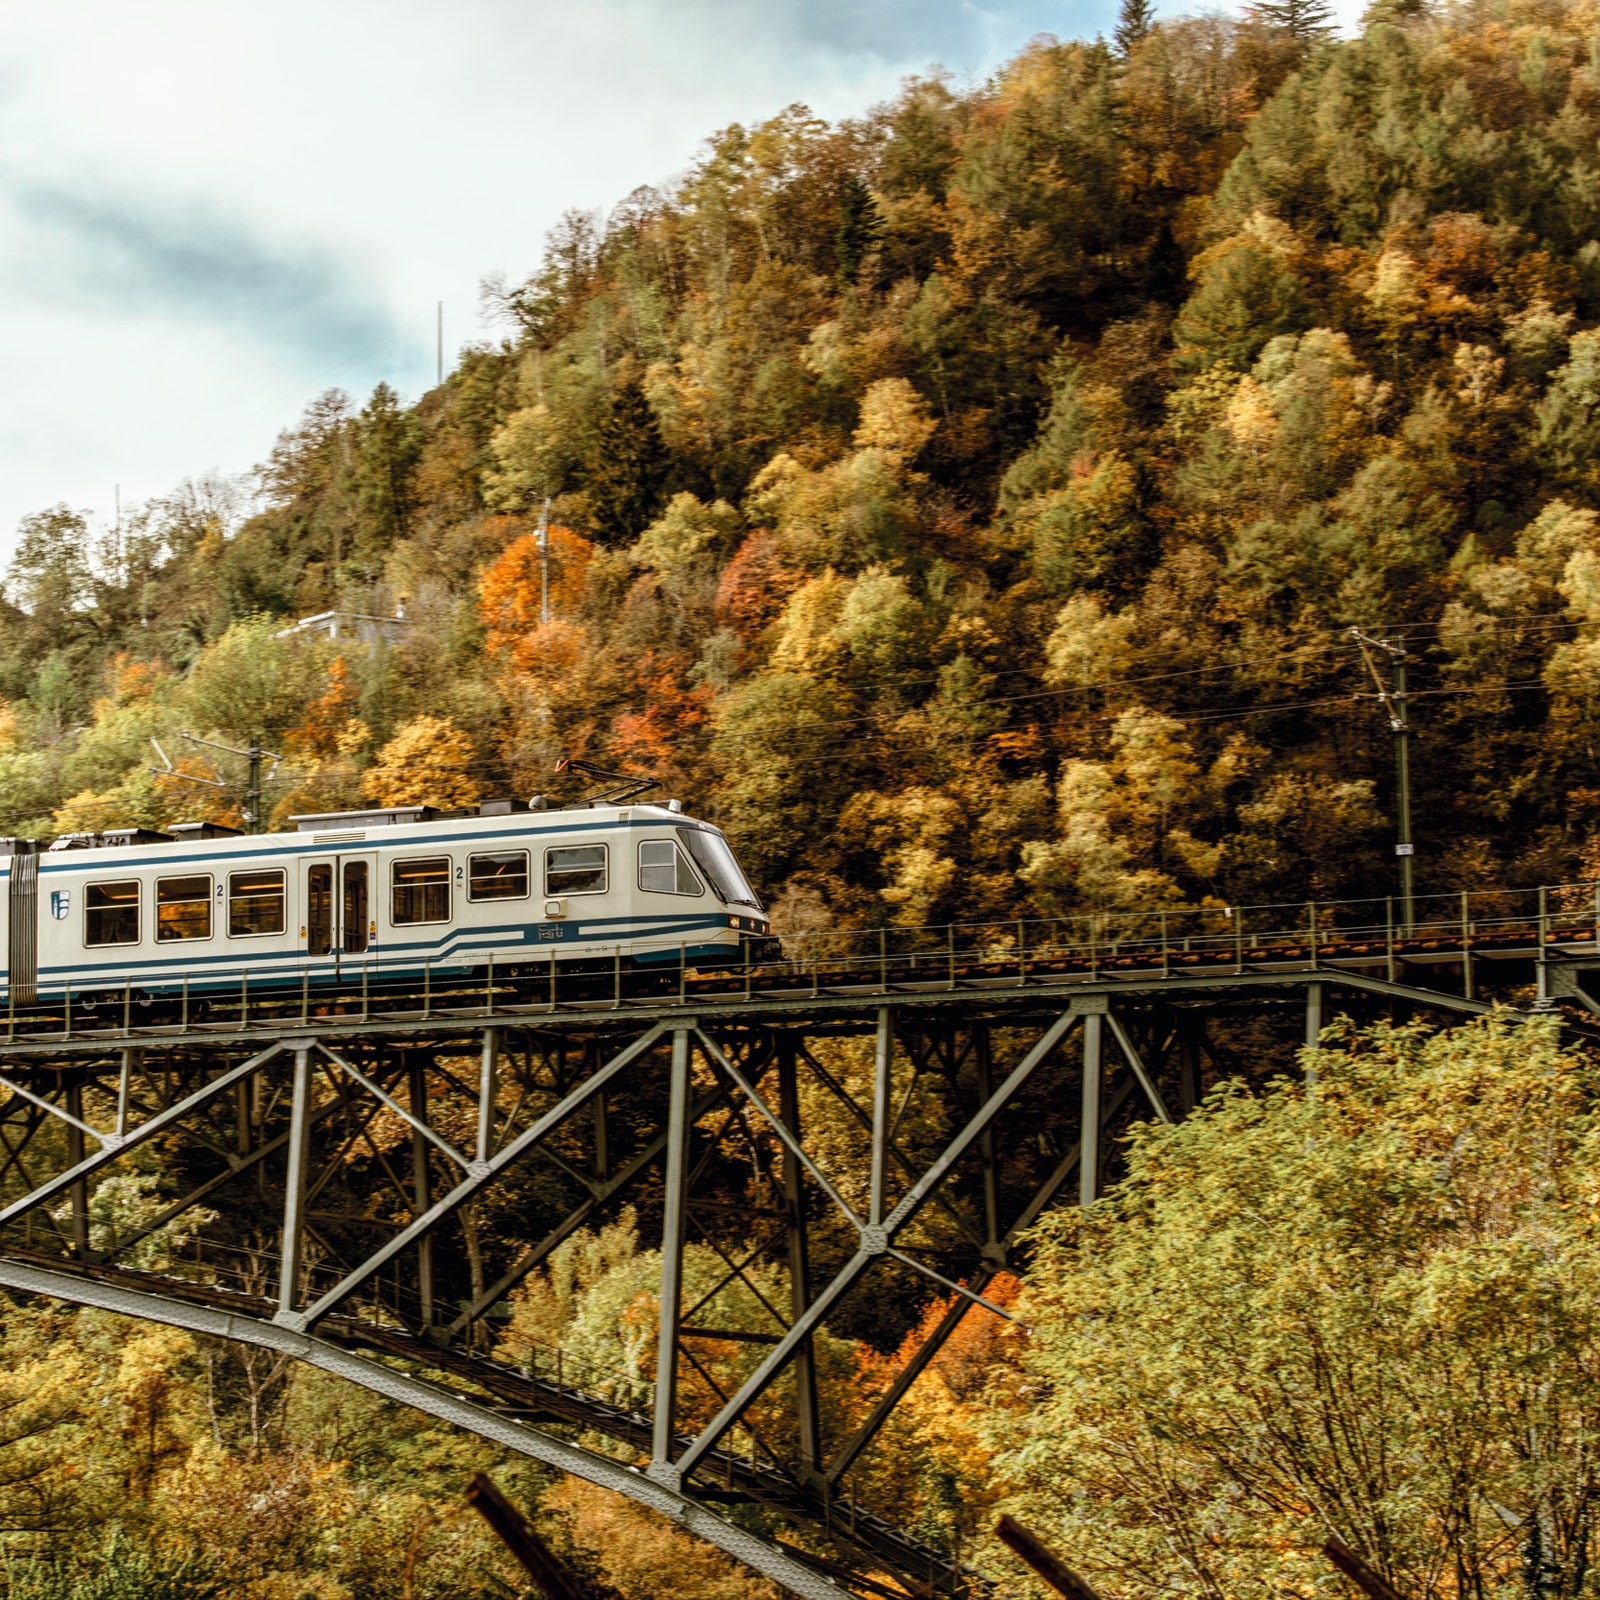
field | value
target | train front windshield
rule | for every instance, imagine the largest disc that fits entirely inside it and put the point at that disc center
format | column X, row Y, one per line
column 712, row 852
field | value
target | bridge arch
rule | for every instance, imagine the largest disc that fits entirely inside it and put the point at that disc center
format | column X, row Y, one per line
column 436, row 1401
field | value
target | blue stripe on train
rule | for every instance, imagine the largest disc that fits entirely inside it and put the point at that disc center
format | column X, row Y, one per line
column 451, row 954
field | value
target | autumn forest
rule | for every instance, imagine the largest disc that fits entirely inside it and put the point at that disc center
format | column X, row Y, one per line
column 966, row 506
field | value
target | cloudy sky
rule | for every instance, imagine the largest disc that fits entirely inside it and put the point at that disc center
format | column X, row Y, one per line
column 210, row 212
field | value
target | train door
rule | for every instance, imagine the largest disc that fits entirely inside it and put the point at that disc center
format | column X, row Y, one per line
column 22, row 925
column 341, row 912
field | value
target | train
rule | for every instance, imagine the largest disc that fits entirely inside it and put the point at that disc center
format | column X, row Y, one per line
column 397, row 894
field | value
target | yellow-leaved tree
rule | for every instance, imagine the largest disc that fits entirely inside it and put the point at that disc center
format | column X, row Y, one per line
column 1363, row 1306
column 427, row 763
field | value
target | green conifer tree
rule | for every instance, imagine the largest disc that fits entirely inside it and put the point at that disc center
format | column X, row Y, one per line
column 1307, row 20
column 388, row 440
column 1134, row 22
column 859, row 227
column 629, row 468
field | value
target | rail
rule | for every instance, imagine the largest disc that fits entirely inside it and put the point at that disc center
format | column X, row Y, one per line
column 539, row 1378
column 384, row 1301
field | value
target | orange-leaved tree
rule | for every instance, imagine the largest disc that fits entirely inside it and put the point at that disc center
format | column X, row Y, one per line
column 665, row 734
column 932, row 1460
column 330, row 727
column 511, row 592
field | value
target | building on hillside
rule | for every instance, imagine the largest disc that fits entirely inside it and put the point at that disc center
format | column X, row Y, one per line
column 360, row 625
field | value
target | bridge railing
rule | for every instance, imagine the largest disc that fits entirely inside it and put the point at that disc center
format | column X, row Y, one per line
column 1215, row 933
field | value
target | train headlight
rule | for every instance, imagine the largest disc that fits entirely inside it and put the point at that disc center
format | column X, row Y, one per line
column 555, row 908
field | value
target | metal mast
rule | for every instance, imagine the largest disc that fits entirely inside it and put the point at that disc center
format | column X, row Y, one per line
column 1392, row 697
column 255, row 785
column 544, row 563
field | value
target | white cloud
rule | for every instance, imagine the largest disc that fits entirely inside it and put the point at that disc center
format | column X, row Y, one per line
column 209, row 213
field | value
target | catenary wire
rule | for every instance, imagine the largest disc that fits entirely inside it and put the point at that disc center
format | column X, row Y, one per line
column 1334, row 645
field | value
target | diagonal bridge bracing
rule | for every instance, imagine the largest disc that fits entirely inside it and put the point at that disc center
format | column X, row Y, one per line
column 367, row 1186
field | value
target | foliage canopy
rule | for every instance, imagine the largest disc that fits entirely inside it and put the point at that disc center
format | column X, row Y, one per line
column 966, row 505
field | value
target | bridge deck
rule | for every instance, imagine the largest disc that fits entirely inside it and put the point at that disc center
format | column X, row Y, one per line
column 1441, row 966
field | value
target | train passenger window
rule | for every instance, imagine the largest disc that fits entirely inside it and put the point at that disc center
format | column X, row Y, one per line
column 663, row 869
column 502, row 876
column 575, row 869
column 255, row 903
column 421, row 890
column 111, row 913
column 183, row 908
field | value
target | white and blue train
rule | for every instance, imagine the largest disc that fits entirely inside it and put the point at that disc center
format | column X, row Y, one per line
column 394, row 894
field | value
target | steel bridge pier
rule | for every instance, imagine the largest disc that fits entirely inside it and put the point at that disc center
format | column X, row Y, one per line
column 804, row 1156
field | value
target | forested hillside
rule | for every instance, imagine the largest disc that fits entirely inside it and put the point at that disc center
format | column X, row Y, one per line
column 963, row 504
column 967, row 506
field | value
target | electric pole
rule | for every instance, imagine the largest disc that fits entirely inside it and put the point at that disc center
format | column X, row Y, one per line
column 255, row 785
column 544, row 563
column 1392, row 697
column 440, row 343
column 1401, row 724
column 252, row 798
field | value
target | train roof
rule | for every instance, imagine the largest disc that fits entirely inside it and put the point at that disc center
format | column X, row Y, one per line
column 347, row 826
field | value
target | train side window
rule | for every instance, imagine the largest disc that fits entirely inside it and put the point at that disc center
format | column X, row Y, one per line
column 663, row 869
column 502, row 876
column 575, row 869
column 420, row 890
column 255, row 903
column 111, row 913
column 183, row 908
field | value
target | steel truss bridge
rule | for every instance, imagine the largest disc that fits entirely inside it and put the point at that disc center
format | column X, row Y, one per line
column 873, row 1122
